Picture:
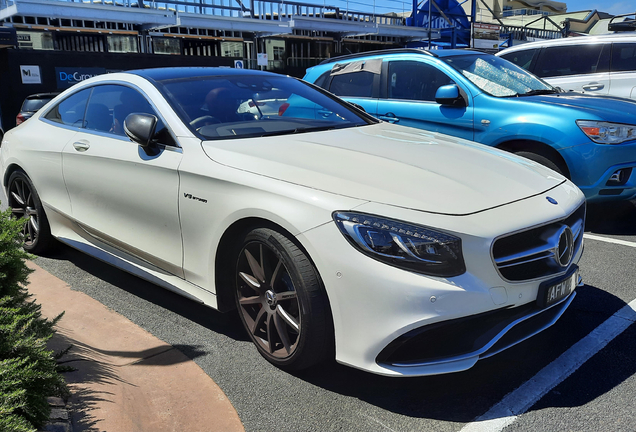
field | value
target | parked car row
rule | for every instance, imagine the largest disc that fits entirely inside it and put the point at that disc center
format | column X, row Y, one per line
column 397, row 250
column 600, row 65
column 480, row 97
column 32, row 104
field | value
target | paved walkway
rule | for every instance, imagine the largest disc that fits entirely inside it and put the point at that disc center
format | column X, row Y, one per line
column 127, row 380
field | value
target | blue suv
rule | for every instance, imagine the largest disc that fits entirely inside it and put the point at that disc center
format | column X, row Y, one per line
column 480, row 97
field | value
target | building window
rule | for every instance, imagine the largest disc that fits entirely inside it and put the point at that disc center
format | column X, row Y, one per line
column 35, row 40
column 232, row 49
column 166, row 46
column 122, row 44
column 79, row 42
column 204, row 48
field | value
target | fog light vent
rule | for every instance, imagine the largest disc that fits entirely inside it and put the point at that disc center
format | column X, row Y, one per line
column 619, row 177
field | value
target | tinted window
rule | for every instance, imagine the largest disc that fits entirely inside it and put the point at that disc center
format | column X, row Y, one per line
column 573, row 60
column 412, row 80
column 522, row 58
column 356, row 84
column 71, row 110
column 624, row 57
column 110, row 105
column 322, row 80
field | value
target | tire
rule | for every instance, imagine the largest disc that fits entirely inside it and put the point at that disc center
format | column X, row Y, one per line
column 542, row 160
column 24, row 202
column 281, row 301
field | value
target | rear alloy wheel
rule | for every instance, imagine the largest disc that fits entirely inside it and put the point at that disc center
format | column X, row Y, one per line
column 25, row 202
column 281, row 301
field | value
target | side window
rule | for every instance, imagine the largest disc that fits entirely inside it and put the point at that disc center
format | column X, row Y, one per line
column 573, row 60
column 354, row 84
column 109, row 106
column 522, row 58
column 322, row 80
column 412, row 80
column 624, row 57
column 71, row 110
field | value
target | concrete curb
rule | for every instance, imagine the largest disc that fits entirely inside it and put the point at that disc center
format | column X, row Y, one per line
column 126, row 379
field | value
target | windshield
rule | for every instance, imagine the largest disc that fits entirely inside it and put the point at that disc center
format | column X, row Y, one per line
column 240, row 106
column 498, row 77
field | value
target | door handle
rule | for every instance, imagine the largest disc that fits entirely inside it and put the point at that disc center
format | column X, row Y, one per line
column 390, row 117
column 593, row 86
column 81, row 146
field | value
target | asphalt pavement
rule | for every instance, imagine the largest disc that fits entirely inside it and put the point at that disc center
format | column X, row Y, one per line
column 597, row 395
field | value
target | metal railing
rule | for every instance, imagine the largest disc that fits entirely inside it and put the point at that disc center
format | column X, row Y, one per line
column 529, row 33
column 256, row 9
column 516, row 12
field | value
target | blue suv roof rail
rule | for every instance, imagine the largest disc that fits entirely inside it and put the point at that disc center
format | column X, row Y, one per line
column 379, row 52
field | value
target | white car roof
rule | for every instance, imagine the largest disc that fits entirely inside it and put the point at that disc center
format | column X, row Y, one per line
column 578, row 40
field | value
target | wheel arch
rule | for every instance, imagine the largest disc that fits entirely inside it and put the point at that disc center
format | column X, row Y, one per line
column 10, row 170
column 539, row 148
column 223, row 265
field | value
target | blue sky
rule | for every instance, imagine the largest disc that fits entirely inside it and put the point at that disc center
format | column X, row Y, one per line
column 383, row 6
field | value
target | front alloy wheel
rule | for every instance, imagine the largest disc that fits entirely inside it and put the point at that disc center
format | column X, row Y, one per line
column 281, row 301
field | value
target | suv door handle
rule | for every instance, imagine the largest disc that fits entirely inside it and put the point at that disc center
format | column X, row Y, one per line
column 593, row 86
column 390, row 117
column 81, row 145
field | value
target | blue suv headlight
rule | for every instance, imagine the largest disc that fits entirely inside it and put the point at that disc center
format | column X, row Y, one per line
column 607, row 133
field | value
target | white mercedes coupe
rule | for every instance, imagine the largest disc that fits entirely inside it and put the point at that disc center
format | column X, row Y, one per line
column 393, row 250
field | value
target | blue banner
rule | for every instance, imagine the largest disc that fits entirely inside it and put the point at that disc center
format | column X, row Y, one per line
column 67, row 76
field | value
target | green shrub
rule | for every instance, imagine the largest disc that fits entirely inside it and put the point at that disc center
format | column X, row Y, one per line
column 28, row 370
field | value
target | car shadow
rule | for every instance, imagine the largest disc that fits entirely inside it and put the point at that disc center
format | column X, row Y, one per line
column 614, row 218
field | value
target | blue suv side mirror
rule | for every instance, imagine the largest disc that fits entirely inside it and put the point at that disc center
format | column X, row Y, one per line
column 449, row 95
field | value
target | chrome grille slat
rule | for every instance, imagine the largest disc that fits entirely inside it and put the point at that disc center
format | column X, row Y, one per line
column 502, row 262
column 529, row 260
column 532, row 254
column 577, row 228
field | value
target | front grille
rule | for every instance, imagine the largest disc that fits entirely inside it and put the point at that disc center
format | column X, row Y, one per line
column 539, row 252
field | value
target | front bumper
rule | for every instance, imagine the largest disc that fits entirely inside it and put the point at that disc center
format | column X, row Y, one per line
column 374, row 304
column 459, row 344
column 592, row 166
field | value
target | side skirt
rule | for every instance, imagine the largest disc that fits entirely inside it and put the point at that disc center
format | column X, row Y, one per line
column 71, row 233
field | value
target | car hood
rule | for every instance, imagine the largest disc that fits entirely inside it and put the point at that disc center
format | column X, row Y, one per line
column 596, row 107
column 392, row 165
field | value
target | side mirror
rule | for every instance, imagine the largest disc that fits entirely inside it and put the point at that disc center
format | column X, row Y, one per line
column 140, row 128
column 449, row 95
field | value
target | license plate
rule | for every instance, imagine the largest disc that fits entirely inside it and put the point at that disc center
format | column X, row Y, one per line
column 555, row 292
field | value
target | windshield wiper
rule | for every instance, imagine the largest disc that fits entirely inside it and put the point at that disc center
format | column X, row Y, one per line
column 309, row 129
column 538, row 92
column 281, row 132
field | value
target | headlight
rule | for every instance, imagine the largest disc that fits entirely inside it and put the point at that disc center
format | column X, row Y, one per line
column 607, row 133
column 400, row 244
